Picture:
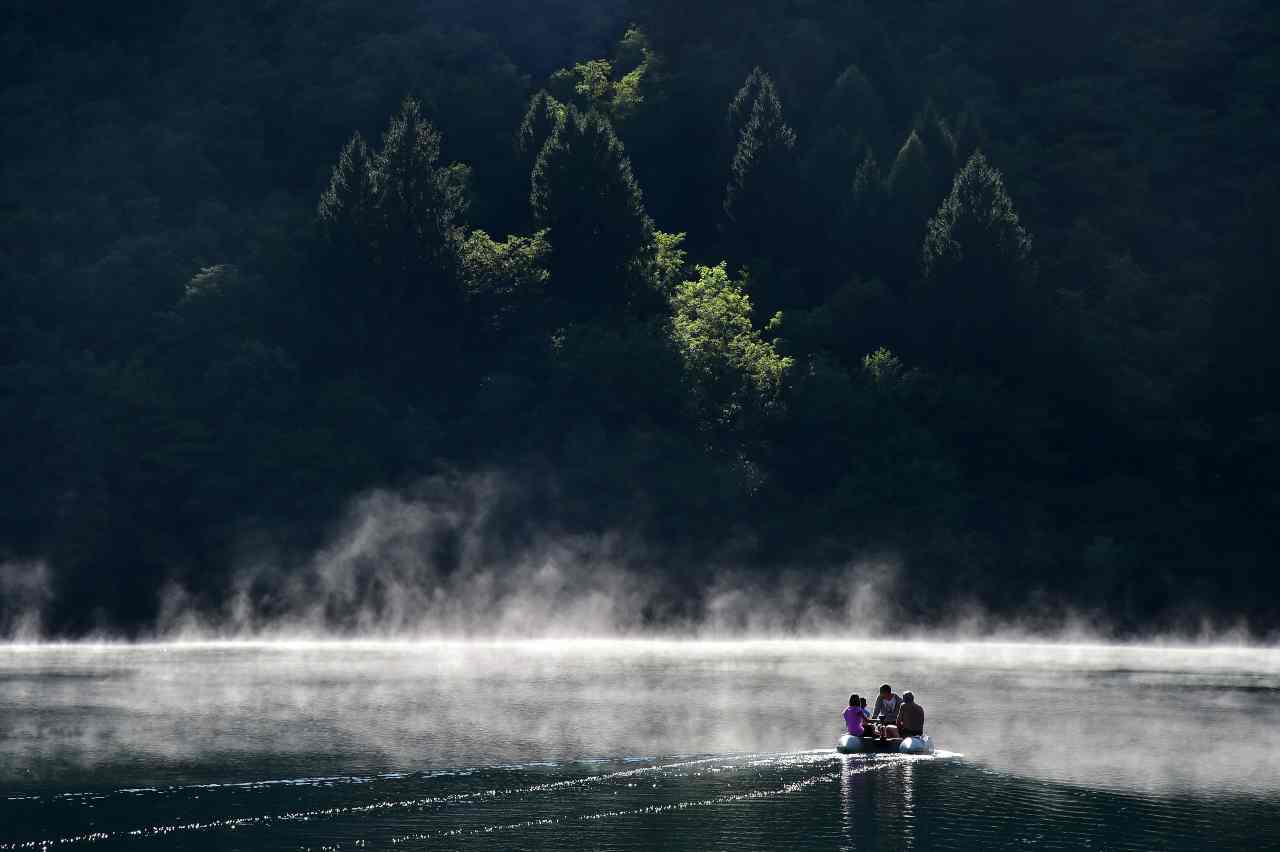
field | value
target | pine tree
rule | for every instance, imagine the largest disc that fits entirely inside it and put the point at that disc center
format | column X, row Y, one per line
column 337, row 298
column 976, row 227
column 854, row 120
column 863, row 219
column 346, row 206
column 419, row 204
column 854, row 103
column 391, row 223
column 910, row 181
column 910, row 201
column 940, row 148
column 868, row 186
column 541, row 119
column 758, row 198
column 829, row 169
column 969, row 135
column 977, row 267
column 744, row 102
column 584, row 192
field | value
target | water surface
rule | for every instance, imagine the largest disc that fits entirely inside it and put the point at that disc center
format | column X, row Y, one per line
column 632, row 745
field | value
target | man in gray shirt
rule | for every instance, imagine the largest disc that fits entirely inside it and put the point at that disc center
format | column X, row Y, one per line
column 886, row 705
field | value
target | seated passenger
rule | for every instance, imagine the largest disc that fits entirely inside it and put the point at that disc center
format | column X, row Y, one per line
column 854, row 716
column 910, row 716
column 886, row 711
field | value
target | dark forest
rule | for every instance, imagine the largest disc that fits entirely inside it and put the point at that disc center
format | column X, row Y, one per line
column 986, row 285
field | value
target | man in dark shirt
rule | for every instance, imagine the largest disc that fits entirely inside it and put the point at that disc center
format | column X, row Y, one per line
column 910, row 716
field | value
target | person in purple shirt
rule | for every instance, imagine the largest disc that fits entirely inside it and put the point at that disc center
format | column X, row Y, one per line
column 854, row 715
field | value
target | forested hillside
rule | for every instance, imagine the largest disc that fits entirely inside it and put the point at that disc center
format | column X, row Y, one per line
column 985, row 286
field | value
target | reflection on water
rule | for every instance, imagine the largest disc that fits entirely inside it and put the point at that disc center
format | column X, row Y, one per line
column 630, row 745
column 878, row 808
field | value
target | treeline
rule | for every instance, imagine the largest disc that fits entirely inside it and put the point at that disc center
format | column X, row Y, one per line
column 980, row 285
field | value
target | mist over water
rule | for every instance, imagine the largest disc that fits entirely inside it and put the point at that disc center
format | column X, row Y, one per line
column 376, row 740
column 1092, row 715
column 445, row 559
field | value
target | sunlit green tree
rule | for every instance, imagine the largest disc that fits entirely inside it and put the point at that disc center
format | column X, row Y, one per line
column 735, row 374
column 504, row 284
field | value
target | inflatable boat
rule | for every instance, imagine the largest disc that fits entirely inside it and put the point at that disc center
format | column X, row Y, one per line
column 849, row 744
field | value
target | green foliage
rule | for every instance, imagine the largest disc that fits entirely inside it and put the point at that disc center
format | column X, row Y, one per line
column 670, row 262
column 505, row 282
column 586, row 84
column 541, row 119
column 882, row 366
column 735, row 374
column 602, row 85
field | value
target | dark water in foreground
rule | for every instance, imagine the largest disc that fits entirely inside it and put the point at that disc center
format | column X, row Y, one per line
column 626, row 745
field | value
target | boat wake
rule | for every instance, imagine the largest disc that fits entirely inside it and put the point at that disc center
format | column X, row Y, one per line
column 697, row 781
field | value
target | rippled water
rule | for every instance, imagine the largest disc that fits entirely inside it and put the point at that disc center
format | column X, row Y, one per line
column 633, row 745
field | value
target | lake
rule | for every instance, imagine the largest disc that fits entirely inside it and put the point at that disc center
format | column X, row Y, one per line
column 633, row 745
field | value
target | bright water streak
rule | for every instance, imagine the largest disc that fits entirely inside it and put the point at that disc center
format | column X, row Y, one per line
column 632, row 745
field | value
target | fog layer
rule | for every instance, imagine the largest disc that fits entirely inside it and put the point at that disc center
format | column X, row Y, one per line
column 1123, row 718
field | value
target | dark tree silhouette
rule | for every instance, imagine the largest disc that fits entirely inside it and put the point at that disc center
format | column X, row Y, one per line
column 977, row 268
column 585, row 194
column 762, row 176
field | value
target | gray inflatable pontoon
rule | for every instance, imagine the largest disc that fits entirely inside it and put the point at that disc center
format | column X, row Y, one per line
column 849, row 744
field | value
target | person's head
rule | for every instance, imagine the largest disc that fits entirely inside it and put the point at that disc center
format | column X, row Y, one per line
column 885, row 690
column 853, row 700
column 862, row 702
column 908, row 697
